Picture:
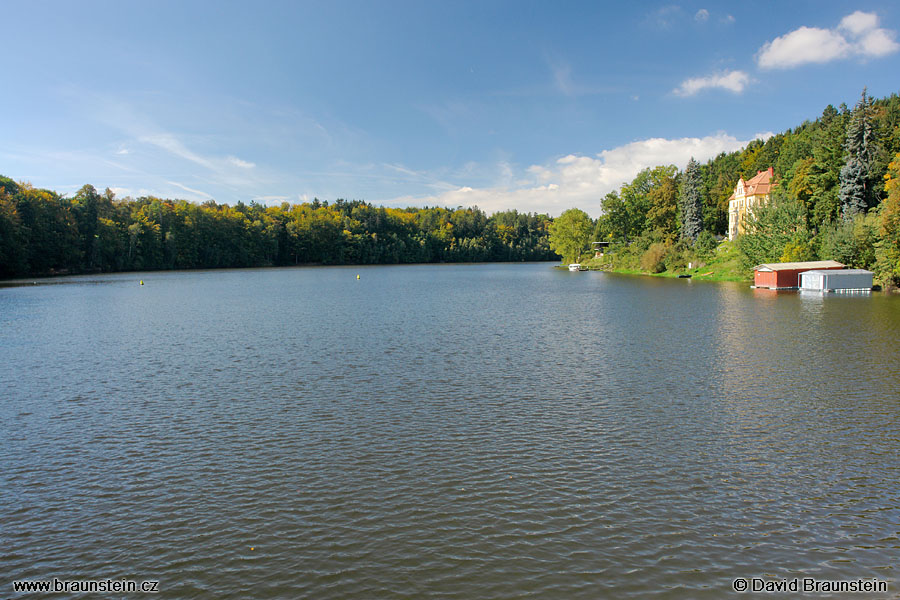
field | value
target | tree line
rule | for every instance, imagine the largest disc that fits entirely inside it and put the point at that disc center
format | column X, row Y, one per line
column 43, row 233
column 836, row 197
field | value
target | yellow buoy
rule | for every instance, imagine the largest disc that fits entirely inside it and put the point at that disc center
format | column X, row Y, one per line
column 142, row 282
column 357, row 275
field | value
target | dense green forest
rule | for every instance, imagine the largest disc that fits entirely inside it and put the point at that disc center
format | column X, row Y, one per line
column 836, row 197
column 44, row 233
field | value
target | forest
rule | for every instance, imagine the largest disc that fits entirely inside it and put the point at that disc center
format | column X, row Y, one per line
column 837, row 196
column 43, row 233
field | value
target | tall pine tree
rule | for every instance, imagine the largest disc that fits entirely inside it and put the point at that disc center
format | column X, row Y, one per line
column 692, row 202
column 860, row 147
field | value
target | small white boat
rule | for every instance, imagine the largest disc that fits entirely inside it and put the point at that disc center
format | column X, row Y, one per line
column 574, row 267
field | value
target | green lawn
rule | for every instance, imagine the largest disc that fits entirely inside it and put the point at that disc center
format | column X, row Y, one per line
column 724, row 266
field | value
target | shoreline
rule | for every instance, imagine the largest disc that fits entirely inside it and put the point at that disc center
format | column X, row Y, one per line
column 692, row 275
column 35, row 279
column 712, row 271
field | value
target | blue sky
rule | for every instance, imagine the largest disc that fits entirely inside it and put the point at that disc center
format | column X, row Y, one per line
column 537, row 106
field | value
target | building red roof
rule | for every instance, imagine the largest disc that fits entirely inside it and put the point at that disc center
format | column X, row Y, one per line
column 759, row 185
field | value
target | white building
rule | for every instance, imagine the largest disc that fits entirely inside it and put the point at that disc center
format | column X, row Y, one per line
column 747, row 194
column 841, row 280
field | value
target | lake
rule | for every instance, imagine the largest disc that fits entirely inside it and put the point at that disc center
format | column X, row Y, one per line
column 454, row 431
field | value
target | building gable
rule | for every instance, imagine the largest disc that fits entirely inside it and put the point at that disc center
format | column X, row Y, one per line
column 748, row 194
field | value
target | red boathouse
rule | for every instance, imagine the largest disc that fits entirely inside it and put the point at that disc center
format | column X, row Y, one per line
column 786, row 276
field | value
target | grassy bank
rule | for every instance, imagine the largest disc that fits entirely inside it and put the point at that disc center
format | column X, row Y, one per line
column 718, row 264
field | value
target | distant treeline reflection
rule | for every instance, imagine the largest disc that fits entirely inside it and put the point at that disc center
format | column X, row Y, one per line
column 42, row 232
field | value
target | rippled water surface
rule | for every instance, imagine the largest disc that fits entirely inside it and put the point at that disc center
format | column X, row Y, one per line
column 452, row 431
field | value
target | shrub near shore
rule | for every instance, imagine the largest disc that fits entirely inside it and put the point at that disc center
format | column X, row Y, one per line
column 707, row 260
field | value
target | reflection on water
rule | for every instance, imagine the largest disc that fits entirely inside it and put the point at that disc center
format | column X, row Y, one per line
column 487, row 431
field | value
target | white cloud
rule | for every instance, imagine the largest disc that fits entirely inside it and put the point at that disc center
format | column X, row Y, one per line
column 733, row 81
column 702, row 15
column 199, row 193
column 859, row 22
column 243, row 164
column 801, row 46
column 231, row 171
column 580, row 181
column 170, row 143
column 665, row 17
column 858, row 35
column 566, row 83
column 877, row 43
column 142, row 131
column 562, row 77
column 267, row 199
column 403, row 170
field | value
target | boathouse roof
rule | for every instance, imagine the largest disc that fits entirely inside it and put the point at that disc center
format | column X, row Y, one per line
column 793, row 266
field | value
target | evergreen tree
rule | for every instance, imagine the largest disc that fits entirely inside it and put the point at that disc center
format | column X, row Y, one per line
column 860, row 150
column 692, row 202
column 823, row 174
column 853, row 188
